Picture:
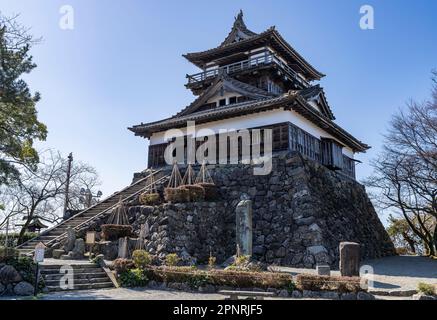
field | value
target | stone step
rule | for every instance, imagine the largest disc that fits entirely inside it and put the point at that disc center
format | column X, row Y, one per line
column 90, row 280
column 75, row 270
column 77, row 265
column 80, row 275
column 89, row 286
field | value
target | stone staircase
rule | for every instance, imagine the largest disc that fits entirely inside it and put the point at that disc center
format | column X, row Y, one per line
column 83, row 276
column 58, row 232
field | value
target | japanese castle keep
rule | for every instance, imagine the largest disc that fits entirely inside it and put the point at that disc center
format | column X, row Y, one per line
column 295, row 214
column 308, row 203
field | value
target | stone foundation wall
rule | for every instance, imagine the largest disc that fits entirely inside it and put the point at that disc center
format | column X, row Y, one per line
column 301, row 212
column 192, row 230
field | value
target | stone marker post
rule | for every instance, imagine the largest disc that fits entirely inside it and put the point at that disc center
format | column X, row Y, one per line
column 123, row 247
column 349, row 259
column 243, row 214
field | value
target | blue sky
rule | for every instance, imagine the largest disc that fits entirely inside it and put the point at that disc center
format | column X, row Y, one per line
column 122, row 65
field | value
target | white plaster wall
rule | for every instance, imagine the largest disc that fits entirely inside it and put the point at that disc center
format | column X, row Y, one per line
column 258, row 120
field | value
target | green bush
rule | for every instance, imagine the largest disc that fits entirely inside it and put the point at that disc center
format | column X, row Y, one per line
column 141, row 259
column 171, row 260
column 13, row 238
column 121, row 265
column 426, row 288
column 7, row 254
column 149, row 199
column 133, row 278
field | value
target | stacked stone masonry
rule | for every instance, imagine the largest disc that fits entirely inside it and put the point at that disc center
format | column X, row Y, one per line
column 301, row 212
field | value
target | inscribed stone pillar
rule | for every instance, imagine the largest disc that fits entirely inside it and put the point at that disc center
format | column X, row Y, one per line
column 244, row 227
column 349, row 259
column 123, row 247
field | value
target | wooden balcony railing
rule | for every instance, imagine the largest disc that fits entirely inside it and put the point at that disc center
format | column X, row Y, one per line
column 253, row 63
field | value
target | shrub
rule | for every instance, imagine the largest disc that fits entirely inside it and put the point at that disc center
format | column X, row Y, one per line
column 133, row 278
column 426, row 288
column 236, row 279
column 112, row 232
column 141, row 259
column 149, row 199
column 241, row 261
column 13, row 238
column 26, row 266
column 211, row 191
column 196, row 192
column 211, row 261
column 328, row 283
column 122, row 265
column 177, row 195
column 7, row 254
column 171, row 260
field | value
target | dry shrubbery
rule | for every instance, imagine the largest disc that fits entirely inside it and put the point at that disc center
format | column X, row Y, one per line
column 149, row 199
column 197, row 193
column 211, row 193
column 177, row 195
column 112, row 232
column 122, row 265
column 235, row 279
column 328, row 283
column 428, row 289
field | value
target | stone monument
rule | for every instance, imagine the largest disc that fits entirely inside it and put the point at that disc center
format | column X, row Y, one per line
column 349, row 259
column 243, row 214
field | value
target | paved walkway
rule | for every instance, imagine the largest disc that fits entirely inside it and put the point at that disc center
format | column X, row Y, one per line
column 393, row 273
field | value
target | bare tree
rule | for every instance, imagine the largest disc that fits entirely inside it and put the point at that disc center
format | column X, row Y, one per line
column 40, row 193
column 405, row 173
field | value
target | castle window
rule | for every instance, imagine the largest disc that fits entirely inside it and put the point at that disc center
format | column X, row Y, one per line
column 222, row 102
column 232, row 100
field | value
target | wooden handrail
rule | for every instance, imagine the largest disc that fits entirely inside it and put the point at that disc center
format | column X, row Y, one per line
column 89, row 208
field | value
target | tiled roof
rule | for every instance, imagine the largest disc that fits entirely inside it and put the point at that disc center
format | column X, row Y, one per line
column 229, row 84
column 292, row 100
column 271, row 35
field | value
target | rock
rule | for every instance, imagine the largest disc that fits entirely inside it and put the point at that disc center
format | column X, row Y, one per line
column 283, row 293
column 79, row 249
column 207, row 289
column 71, row 240
column 323, row 270
column 296, row 294
column 402, row 293
column 8, row 274
column 349, row 259
column 109, row 249
column 57, row 253
column 229, row 261
column 2, row 289
column 349, row 296
column 24, row 289
column 330, row 295
column 420, row 296
column 365, row 296
column 314, row 250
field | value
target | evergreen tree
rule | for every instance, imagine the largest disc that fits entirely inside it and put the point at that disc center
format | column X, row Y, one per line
column 19, row 125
